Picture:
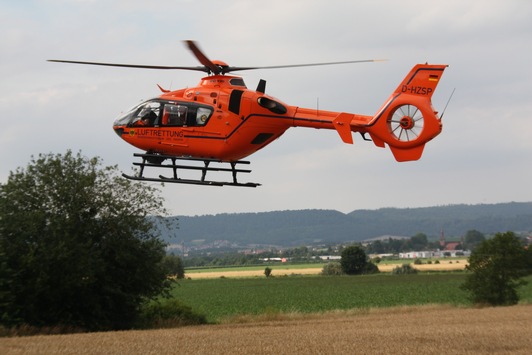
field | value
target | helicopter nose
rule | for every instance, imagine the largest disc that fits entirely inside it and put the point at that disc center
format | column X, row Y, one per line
column 119, row 131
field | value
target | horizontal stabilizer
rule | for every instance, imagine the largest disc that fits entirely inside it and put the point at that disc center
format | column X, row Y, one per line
column 342, row 123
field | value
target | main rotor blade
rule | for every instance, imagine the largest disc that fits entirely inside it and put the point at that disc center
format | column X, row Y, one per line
column 203, row 58
column 203, row 69
column 230, row 69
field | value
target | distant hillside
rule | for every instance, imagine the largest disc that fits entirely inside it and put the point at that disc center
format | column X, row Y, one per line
column 295, row 228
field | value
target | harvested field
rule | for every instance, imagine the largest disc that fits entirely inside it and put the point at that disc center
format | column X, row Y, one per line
column 277, row 271
column 252, row 273
column 453, row 265
column 403, row 330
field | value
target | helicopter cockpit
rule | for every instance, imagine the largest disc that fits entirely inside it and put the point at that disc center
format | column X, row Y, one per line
column 159, row 113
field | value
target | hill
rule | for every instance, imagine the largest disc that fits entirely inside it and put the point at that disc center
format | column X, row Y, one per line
column 305, row 227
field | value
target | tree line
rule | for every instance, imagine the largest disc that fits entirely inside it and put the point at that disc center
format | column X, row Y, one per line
column 420, row 242
column 307, row 254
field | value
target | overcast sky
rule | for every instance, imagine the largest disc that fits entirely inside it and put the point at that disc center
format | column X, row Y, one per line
column 484, row 154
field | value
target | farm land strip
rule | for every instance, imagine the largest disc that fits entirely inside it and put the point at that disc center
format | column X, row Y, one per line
column 315, row 269
column 403, row 330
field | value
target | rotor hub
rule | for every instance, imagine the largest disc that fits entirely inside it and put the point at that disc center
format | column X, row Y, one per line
column 407, row 122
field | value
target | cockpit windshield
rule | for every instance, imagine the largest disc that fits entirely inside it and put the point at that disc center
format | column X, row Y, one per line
column 166, row 113
column 147, row 112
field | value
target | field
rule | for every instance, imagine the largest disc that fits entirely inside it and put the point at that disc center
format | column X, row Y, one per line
column 403, row 330
column 315, row 269
column 224, row 298
column 401, row 314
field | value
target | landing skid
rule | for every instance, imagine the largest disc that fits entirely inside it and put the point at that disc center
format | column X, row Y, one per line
column 156, row 161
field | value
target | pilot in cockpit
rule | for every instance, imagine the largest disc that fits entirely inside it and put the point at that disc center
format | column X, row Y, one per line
column 147, row 118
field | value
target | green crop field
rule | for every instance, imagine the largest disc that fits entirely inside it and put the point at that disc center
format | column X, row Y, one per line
column 224, row 297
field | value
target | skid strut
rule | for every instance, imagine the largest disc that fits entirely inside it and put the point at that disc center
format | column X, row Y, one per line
column 156, row 161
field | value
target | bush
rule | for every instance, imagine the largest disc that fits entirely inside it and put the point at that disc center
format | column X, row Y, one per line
column 404, row 269
column 268, row 271
column 168, row 313
column 371, row 268
column 418, row 261
column 332, row 269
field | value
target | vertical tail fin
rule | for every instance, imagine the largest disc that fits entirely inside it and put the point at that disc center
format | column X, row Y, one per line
column 407, row 120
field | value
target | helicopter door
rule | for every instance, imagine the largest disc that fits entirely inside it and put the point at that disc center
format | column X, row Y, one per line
column 178, row 115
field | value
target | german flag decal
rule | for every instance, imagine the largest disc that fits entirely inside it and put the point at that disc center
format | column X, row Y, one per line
column 433, row 77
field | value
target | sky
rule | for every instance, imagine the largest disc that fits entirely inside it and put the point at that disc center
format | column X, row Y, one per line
column 483, row 155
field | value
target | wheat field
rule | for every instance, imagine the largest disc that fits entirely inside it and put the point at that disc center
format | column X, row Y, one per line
column 404, row 330
column 454, row 265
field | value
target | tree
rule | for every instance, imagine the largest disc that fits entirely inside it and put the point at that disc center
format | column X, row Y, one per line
column 77, row 246
column 418, row 242
column 472, row 238
column 173, row 266
column 497, row 266
column 354, row 261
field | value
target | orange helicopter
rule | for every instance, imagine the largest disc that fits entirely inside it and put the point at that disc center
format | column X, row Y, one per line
column 221, row 121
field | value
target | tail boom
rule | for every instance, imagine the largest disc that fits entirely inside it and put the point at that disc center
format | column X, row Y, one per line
column 405, row 122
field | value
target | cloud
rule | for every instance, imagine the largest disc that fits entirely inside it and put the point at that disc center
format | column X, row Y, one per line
column 481, row 156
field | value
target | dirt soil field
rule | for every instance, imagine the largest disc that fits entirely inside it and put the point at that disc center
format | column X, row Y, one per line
column 405, row 330
column 443, row 266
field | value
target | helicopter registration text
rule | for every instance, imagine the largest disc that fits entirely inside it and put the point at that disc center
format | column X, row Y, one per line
column 417, row 90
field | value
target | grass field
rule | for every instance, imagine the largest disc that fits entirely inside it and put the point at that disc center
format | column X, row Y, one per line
column 224, row 298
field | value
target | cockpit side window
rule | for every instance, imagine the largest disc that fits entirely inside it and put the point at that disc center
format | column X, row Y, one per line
column 174, row 115
column 155, row 113
column 180, row 115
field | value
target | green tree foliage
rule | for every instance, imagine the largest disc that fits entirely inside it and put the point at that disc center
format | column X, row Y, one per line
column 268, row 271
column 472, row 238
column 355, row 262
column 173, row 266
column 76, row 247
column 418, row 242
column 497, row 266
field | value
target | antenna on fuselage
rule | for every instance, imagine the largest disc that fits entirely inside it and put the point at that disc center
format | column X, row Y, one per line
column 449, row 100
column 261, row 87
